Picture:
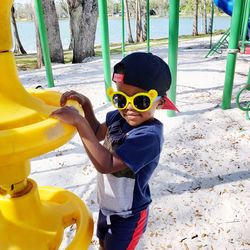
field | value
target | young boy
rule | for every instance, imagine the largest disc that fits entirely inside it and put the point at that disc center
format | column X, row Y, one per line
column 132, row 145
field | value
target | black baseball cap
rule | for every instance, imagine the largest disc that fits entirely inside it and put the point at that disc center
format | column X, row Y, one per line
column 143, row 70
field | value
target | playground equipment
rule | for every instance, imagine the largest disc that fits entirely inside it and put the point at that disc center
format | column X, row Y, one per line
column 236, row 21
column 32, row 217
column 44, row 42
column 227, row 7
column 238, row 96
column 245, row 45
column 220, row 45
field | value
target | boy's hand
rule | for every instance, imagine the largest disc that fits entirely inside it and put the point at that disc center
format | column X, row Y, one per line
column 72, row 95
column 67, row 114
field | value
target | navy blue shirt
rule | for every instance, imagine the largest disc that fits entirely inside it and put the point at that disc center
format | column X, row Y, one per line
column 127, row 192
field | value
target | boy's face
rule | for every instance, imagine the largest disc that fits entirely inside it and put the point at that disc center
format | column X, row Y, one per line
column 132, row 116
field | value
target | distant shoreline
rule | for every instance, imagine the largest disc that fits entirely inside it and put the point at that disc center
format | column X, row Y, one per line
column 119, row 17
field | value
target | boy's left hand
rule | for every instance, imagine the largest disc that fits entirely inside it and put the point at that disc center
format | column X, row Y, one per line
column 67, row 114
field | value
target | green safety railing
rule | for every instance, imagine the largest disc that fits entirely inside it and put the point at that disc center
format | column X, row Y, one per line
column 238, row 102
column 220, row 45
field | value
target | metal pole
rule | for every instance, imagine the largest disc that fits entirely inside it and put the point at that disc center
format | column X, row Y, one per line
column 232, row 53
column 103, row 19
column 173, row 48
column 246, row 14
column 44, row 41
column 123, row 29
column 148, row 25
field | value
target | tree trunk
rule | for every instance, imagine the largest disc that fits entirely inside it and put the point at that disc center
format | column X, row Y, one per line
column 205, row 17
column 144, row 34
column 38, row 46
column 83, row 21
column 130, row 38
column 210, row 26
column 195, row 20
column 53, row 31
column 18, row 45
column 138, row 22
column 53, row 34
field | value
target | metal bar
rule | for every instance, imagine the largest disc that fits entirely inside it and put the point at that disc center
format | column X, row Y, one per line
column 44, row 42
column 103, row 19
column 232, row 54
column 173, row 48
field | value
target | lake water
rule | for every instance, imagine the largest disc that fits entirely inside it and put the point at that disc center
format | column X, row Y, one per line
column 158, row 29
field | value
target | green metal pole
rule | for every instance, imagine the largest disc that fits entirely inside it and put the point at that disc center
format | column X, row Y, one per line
column 173, row 48
column 245, row 25
column 232, row 53
column 44, row 41
column 123, row 29
column 148, row 25
column 103, row 18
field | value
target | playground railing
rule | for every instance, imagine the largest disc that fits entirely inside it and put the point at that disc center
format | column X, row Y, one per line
column 239, row 104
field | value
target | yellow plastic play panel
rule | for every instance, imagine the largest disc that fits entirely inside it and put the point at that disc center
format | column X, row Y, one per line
column 37, row 220
column 25, row 127
column 31, row 217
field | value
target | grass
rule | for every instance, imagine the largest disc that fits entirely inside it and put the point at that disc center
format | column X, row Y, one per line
column 29, row 61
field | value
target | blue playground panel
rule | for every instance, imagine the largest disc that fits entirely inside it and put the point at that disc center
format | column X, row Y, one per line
column 226, row 6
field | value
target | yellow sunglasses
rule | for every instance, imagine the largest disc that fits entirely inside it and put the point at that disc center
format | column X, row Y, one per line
column 140, row 102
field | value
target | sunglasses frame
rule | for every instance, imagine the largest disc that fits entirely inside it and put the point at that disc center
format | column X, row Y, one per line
column 151, row 94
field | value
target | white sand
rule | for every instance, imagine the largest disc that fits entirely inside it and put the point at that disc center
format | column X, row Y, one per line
column 201, row 189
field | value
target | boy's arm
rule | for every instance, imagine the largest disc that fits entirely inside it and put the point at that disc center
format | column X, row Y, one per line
column 98, row 129
column 103, row 160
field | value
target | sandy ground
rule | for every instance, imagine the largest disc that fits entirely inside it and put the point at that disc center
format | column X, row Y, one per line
column 201, row 189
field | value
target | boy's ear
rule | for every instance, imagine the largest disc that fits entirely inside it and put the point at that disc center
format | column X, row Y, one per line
column 161, row 103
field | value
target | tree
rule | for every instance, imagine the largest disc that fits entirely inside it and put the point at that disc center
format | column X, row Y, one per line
column 204, row 16
column 138, row 22
column 53, row 33
column 62, row 9
column 195, row 20
column 130, row 38
column 18, row 45
column 83, row 21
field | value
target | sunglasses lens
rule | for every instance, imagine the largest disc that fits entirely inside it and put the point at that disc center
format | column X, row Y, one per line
column 119, row 101
column 142, row 102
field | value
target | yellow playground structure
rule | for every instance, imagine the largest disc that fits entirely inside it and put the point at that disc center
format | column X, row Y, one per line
column 32, row 217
